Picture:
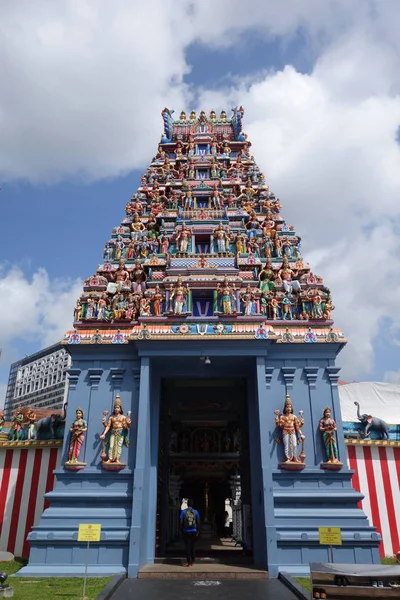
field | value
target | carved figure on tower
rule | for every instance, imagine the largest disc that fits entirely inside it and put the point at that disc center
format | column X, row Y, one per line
column 179, row 297
column 222, row 238
column 117, row 427
column 77, row 437
column 183, row 238
column 327, row 427
column 227, row 297
column 290, row 427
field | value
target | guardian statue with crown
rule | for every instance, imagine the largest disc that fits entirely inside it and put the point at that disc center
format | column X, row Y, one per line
column 117, row 433
column 290, row 426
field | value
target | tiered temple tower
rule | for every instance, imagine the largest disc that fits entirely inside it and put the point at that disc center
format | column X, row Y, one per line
column 203, row 280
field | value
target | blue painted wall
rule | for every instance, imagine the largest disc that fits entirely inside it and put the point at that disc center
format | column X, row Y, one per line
column 287, row 508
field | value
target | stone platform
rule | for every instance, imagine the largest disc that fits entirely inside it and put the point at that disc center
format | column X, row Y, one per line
column 217, row 588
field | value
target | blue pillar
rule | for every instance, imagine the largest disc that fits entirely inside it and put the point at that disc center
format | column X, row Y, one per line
column 140, row 505
column 264, row 410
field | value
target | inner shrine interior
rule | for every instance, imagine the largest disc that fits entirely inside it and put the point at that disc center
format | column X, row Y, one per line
column 203, row 457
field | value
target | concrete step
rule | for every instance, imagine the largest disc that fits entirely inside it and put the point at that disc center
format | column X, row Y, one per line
column 204, row 570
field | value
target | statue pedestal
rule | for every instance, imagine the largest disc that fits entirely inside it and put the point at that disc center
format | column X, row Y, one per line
column 206, row 531
column 292, row 466
column 328, row 466
column 6, row 592
column 74, row 466
column 113, row 466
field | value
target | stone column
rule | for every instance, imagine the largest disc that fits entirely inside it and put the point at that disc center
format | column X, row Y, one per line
column 140, row 501
column 311, row 374
column 333, row 376
column 265, row 420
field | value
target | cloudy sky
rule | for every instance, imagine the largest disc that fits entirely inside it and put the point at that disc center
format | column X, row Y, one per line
column 83, row 83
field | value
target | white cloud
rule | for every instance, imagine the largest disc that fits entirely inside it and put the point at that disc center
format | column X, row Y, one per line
column 326, row 142
column 82, row 95
column 35, row 308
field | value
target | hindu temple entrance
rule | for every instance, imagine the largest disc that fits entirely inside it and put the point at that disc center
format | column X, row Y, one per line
column 204, row 460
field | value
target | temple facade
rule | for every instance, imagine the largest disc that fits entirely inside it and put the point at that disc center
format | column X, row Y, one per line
column 203, row 367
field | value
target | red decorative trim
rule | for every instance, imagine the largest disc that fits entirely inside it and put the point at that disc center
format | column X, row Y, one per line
column 373, row 498
column 50, row 476
column 351, row 452
column 389, row 498
column 19, row 486
column 4, row 485
column 30, row 515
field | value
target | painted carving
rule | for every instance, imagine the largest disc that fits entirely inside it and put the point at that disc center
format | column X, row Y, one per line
column 116, row 434
column 77, row 437
column 292, row 436
column 369, row 423
column 327, row 427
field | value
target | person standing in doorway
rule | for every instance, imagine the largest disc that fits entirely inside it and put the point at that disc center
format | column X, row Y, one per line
column 190, row 528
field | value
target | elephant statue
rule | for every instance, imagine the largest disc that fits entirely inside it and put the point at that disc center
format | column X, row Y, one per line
column 369, row 423
column 51, row 427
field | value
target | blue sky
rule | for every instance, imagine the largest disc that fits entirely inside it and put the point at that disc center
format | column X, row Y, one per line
column 81, row 102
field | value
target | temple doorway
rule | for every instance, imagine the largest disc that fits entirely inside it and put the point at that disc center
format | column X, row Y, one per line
column 204, row 461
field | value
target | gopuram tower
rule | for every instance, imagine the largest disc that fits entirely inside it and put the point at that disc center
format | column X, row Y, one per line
column 203, row 365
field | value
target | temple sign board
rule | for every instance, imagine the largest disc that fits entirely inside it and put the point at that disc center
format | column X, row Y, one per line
column 89, row 532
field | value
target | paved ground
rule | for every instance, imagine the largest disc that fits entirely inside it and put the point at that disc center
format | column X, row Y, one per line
column 161, row 589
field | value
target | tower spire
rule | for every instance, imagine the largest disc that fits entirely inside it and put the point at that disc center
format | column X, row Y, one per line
column 203, row 249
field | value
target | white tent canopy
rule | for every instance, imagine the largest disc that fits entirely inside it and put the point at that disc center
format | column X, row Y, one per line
column 376, row 399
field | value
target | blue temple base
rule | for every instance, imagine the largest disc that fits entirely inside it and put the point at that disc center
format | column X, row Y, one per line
column 287, row 508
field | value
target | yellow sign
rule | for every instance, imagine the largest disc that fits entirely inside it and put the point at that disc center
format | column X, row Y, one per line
column 88, row 532
column 330, row 536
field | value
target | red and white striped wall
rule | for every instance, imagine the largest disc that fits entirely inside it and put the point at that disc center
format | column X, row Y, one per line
column 26, row 474
column 377, row 476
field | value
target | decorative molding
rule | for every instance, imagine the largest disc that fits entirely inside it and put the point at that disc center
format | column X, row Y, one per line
column 94, row 377
column 73, row 377
column 269, row 371
column 288, row 374
column 117, row 376
column 31, row 443
column 333, row 374
column 136, row 374
column 312, row 375
column 388, row 443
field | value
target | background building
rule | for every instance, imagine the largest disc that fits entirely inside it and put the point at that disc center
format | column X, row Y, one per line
column 38, row 380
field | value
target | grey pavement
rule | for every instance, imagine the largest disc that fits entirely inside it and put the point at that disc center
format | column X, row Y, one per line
column 183, row 589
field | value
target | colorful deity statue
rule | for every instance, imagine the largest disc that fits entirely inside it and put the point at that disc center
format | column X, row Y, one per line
column 266, row 277
column 139, row 277
column 290, row 426
column 287, row 275
column 30, row 416
column 183, row 238
column 179, row 297
column 327, row 426
column 182, row 116
column 137, row 227
column 157, row 301
column 227, row 296
column 121, row 275
column 247, row 297
column 117, row 427
column 2, row 420
column 77, row 433
column 222, row 238
column 17, row 431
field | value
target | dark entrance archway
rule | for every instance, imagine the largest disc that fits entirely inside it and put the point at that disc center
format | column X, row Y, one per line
column 204, row 459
